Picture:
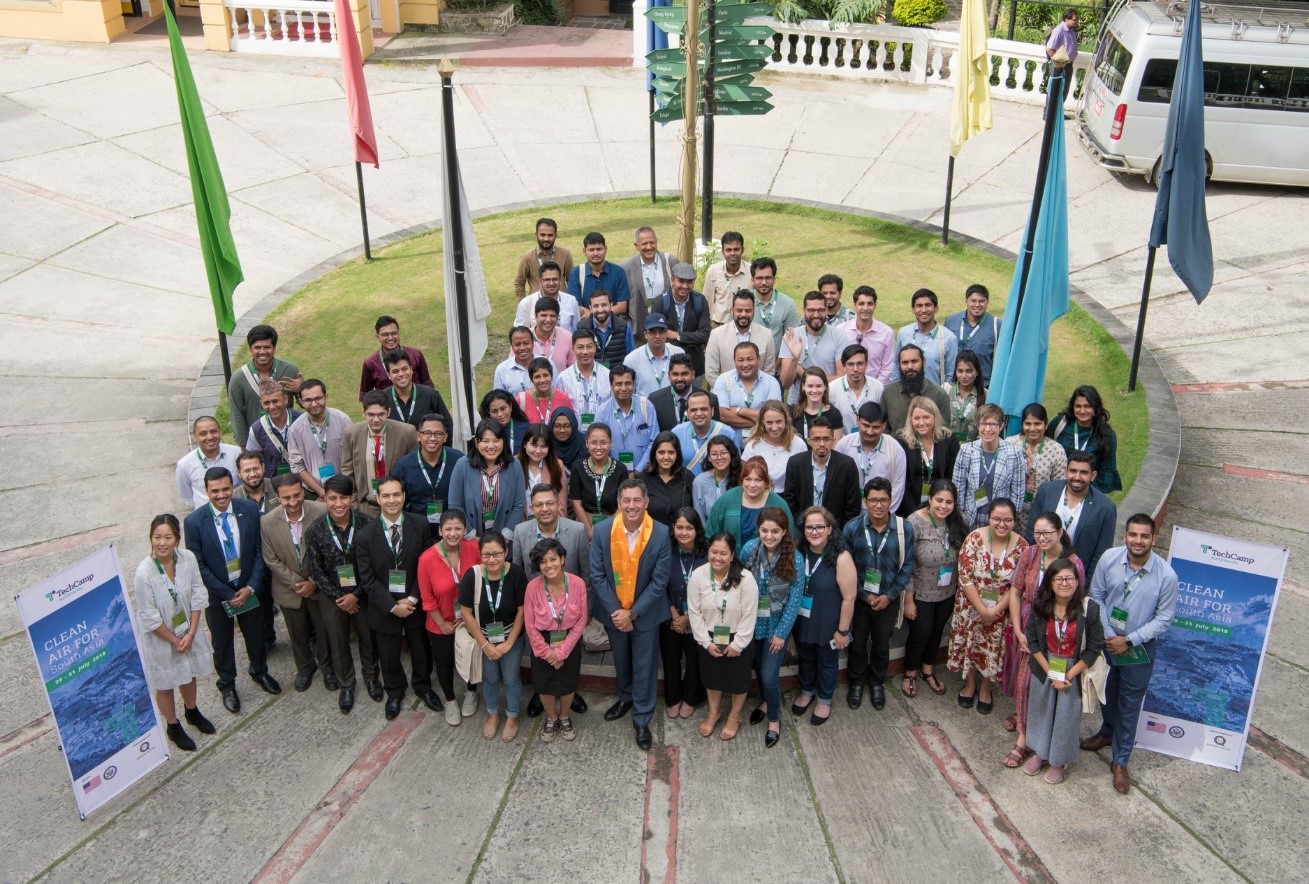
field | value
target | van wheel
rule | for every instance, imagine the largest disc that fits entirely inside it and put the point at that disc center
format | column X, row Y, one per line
column 1152, row 177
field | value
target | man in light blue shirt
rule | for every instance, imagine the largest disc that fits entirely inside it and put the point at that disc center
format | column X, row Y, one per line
column 586, row 382
column 976, row 329
column 939, row 345
column 742, row 391
column 694, row 433
column 1137, row 594
column 597, row 273
column 631, row 420
column 650, row 362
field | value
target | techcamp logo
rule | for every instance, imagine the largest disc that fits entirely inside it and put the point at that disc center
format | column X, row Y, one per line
column 1214, row 552
column 76, row 584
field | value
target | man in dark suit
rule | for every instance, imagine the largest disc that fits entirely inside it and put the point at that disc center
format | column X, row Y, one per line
column 1088, row 515
column 630, row 584
column 410, row 402
column 670, row 402
column 837, row 473
column 387, row 560
column 687, row 313
column 224, row 537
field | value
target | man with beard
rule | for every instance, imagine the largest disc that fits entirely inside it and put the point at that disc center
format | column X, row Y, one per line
column 818, row 345
column 670, row 403
column 874, row 454
column 724, row 279
column 721, row 349
column 773, row 310
column 687, row 314
column 552, row 280
column 911, row 383
column 831, row 286
column 613, row 334
column 597, row 274
column 1088, row 515
column 938, row 343
column 528, row 277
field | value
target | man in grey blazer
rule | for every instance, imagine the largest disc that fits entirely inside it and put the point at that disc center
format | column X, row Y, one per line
column 546, row 523
column 632, row 608
column 649, row 275
column 282, row 531
column 1088, row 515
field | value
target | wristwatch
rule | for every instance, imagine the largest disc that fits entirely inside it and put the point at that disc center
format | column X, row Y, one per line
column 844, row 632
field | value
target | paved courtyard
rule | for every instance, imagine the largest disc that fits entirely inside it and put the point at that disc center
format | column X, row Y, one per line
column 105, row 323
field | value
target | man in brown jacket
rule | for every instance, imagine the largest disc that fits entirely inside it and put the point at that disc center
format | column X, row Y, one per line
column 370, row 449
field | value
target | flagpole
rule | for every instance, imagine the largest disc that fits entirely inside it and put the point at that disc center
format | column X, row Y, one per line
column 456, row 228
column 1054, row 115
column 707, row 185
column 1140, row 319
column 363, row 210
column 227, row 359
column 949, row 187
column 652, row 145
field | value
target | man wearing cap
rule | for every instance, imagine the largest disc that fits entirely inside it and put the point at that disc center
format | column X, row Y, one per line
column 874, row 453
column 650, row 362
column 649, row 276
column 687, row 314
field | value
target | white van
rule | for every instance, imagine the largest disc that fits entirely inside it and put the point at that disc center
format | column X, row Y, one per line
column 1256, row 84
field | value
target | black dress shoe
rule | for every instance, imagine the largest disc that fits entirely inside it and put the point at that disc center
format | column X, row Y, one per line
column 855, row 698
column 643, row 738
column 269, row 644
column 534, row 706
column 374, row 688
column 771, row 738
column 199, row 722
column 303, row 683
column 330, row 682
column 268, row 683
column 758, row 715
column 180, row 738
column 966, row 702
column 579, row 704
column 618, row 710
column 346, row 701
column 231, row 702
column 431, row 700
column 878, row 697
column 392, row 707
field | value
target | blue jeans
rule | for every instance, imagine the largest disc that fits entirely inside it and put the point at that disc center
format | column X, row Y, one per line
column 506, row 670
column 1124, row 693
column 769, row 668
column 818, row 665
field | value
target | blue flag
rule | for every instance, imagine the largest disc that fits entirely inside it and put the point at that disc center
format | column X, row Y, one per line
column 654, row 39
column 1018, row 377
column 1180, row 219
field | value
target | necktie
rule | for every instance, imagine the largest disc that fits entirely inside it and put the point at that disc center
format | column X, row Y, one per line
column 681, row 409
column 379, row 463
column 229, row 542
column 395, row 542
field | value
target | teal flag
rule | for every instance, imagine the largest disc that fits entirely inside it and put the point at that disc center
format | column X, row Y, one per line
column 212, row 213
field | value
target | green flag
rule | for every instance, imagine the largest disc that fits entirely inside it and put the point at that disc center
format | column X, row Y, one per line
column 211, row 210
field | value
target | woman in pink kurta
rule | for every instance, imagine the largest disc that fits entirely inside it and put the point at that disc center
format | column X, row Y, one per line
column 555, row 615
column 540, row 401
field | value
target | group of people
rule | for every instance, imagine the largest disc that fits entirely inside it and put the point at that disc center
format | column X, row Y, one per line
column 692, row 480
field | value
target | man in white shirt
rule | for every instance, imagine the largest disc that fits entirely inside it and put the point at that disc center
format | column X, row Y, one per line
column 650, row 362
column 814, row 345
column 210, row 451
column 938, row 343
column 875, row 336
column 742, row 391
column 694, row 433
column 586, row 383
column 511, row 375
column 552, row 280
column 857, row 387
column 874, row 453
column 720, row 352
column 724, row 279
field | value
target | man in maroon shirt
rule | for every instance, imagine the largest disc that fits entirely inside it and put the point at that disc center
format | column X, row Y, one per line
column 374, row 375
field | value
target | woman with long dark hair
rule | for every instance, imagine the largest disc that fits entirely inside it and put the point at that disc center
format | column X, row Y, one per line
column 502, row 408
column 722, row 600
column 667, row 482
column 939, row 533
column 1046, row 459
column 1084, row 426
column 966, row 395
column 491, row 601
column 778, row 570
column 826, row 611
column 721, row 473
column 555, row 614
column 541, row 466
column 488, row 483
column 677, row 648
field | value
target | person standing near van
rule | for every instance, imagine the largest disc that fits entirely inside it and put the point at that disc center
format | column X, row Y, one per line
column 1064, row 36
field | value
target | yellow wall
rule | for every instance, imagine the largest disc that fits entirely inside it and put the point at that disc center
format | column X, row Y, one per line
column 419, row 12
column 81, row 21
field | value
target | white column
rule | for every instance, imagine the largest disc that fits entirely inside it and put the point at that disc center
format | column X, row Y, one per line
column 639, row 22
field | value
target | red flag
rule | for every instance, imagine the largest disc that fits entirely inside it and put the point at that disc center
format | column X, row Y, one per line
column 356, row 90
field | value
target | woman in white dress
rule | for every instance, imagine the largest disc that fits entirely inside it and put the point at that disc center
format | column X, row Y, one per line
column 775, row 440
column 170, row 599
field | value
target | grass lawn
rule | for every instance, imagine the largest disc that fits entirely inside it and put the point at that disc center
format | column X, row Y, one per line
column 327, row 327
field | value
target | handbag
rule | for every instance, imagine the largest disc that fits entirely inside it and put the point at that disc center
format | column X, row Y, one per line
column 1095, row 678
column 468, row 656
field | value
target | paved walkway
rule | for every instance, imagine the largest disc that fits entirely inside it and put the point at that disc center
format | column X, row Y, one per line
column 105, row 323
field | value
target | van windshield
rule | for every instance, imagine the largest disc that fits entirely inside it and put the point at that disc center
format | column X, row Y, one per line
column 1112, row 65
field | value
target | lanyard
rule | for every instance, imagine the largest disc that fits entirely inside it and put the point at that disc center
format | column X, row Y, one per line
column 413, row 403
column 766, row 310
column 1032, row 455
column 809, row 569
column 658, row 376
column 349, row 537
column 218, row 461
column 990, row 555
column 543, row 411
column 551, row 354
column 386, row 535
column 963, row 340
column 1129, row 584
column 944, row 538
column 549, row 600
column 867, row 457
column 600, row 481
column 686, row 564
column 722, row 606
column 624, row 423
column 850, row 397
column 453, row 572
column 747, row 401
column 603, row 336
column 927, row 459
column 1060, row 629
column 809, row 343
column 422, row 468
column 278, row 438
column 488, row 489
column 499, row 585
column 1078, row 444
column 985, row 475
column 168, row 584
column 588, row 392
column 868, row 538
column 321, row 439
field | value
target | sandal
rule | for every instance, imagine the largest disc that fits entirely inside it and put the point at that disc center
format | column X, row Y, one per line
column 729, row 730
column 1017, row 755
column 913, row 686
column 937, row 686
column 1011, row 723
column 710, row 722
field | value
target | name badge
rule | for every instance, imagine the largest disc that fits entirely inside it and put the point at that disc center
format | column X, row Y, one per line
column 1029, row 496
column 488, row 518
column 345, row 576
column 944, row 575
column 326, row 471
column 990, row 597
column 495, row 633
column 587, row 420
column 626, row 458
column 721, row 635
column 1118, row 619
column 765, row 605
column 434, row 511
column 282, row 469
column 179, row 619
column 927, row 490
column 806, row 606
column 557, row 637
column 1059, row 668
column 395, row 581
column 980, row 496
column 873, row 581
column 597, row 518
column 234, row 569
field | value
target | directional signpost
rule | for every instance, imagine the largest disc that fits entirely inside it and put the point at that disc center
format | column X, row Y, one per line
column 728, row 54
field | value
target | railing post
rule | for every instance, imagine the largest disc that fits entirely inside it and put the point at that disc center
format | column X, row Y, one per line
column 918, row 64
column 217, row 26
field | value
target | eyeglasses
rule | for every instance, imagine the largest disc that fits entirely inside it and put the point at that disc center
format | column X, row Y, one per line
column 1066, row 578
column 995, row 425
column 492, row 554
column 431, row 434
column 814, row 529
column 1044, row 533
column 999, row 520
column 878, row 501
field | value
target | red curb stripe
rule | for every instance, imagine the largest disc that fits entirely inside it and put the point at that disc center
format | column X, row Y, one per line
column 1296, row 762
column 1271, row 475
column 61, row 544
column 662, row 764
column 996, row 827
column 34, row 730
column 313, row 830
column 1240, row 387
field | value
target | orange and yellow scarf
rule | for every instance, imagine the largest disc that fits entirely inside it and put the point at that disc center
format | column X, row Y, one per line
column 626, row 564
